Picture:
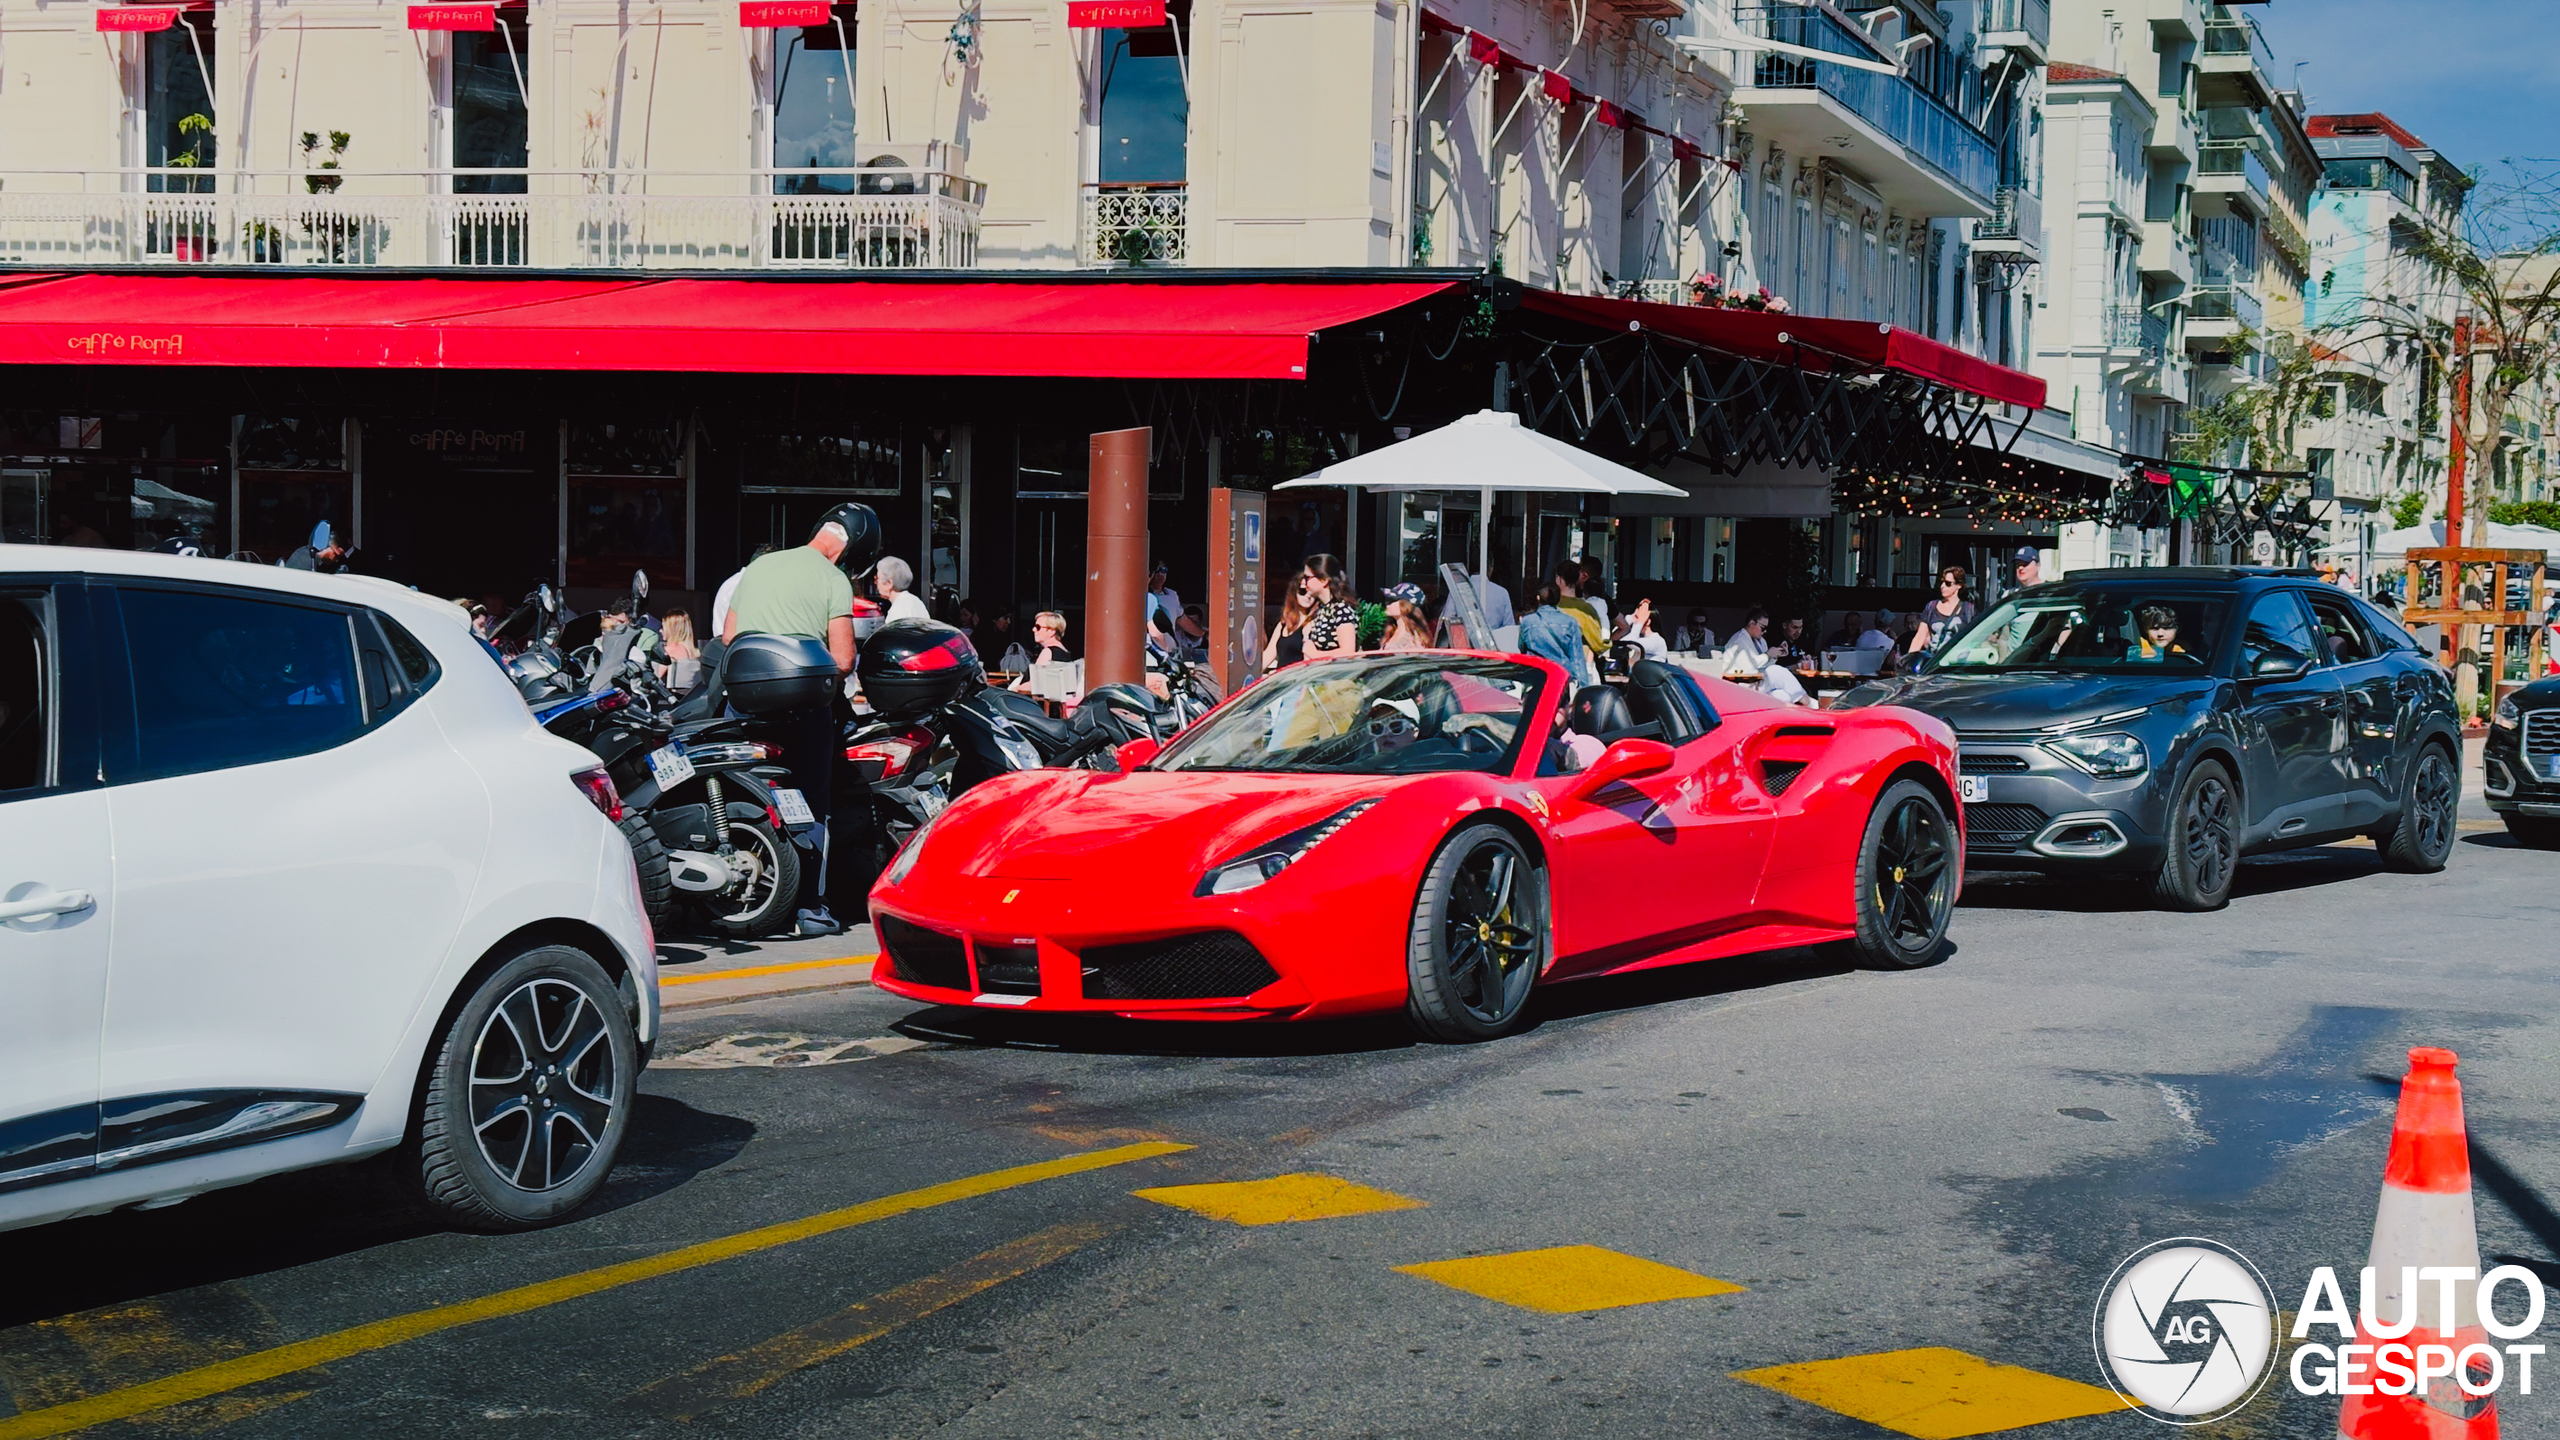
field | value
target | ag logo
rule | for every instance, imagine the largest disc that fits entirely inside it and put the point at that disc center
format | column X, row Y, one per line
column 2185, row 1330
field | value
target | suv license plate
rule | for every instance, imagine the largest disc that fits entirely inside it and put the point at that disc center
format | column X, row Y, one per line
column 1972, row 789
column 669, row 767
column 794, row 809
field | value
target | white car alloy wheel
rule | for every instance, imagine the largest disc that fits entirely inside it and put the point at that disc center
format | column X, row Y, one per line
column 527, row 1098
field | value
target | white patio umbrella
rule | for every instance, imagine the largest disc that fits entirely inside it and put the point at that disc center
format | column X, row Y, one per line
column 1485, row 452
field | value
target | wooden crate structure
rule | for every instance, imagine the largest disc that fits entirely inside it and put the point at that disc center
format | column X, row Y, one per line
column 2450, row 562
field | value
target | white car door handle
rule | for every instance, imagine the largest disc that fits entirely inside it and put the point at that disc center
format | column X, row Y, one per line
column 58, row 902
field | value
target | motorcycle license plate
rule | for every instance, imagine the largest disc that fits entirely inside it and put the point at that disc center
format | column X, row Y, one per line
column 1972, row 789
column 669, row 767
column 794, row 809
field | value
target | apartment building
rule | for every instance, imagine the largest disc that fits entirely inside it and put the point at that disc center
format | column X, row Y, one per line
column 2190, row 173
column 659, row 192
column 2377, row 425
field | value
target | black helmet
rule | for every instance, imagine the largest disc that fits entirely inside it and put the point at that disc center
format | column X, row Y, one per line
column 861, row 527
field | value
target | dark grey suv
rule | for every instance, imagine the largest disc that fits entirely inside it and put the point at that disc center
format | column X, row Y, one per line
column 2170, row 721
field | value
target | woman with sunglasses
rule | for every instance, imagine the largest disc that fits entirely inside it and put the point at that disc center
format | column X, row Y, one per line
column 1946, row 617
column 1311, row 616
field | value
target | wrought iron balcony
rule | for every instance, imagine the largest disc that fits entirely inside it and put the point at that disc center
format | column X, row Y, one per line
column 866, row 218
column 1141, row 223
column 2226, row 303
column 2227, row 168
column 2017, row 218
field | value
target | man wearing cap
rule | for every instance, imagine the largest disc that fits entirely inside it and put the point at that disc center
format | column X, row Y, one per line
column 2025, row 568
column 805, row 593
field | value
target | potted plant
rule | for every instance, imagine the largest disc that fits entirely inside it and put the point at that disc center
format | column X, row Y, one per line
column 1703, row 289
column 318, row 182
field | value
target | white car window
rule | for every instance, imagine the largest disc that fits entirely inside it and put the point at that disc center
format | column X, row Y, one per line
column 26, row 729
column 221, row 680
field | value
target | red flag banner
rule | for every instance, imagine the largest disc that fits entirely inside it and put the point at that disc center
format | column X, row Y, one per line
column 1483, row 50
column 1612, row 116
column 453, row 17
column 775, row 14
column 1558, row 88
column 1114, row 14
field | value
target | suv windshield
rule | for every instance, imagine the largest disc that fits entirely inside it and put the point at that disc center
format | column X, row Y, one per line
column 2099, row 627
column 1400, row 715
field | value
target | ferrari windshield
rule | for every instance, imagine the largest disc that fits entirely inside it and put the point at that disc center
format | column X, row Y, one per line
column 1381, row 715
column 2099, row 627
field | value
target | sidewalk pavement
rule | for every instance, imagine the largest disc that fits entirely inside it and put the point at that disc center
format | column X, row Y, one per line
column 695, row 971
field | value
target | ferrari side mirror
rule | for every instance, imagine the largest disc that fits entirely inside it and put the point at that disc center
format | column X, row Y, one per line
column 1626, row 760
column 1133, row 753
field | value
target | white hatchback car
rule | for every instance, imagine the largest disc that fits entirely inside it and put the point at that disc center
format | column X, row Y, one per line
column 290, row 877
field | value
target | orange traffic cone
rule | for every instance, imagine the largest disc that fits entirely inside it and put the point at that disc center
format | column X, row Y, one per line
column 2425, row 1220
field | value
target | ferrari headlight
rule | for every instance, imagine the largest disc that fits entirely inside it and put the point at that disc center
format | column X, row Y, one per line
column 1267, row 860
column 2505, row 715
column 2109, row 757
column 901, row 867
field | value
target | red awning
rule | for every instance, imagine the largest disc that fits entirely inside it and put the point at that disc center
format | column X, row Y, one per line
column 1804, row 339
column 1171, row 330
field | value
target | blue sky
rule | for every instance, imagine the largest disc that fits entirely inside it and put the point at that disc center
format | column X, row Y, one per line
column 2474, row 78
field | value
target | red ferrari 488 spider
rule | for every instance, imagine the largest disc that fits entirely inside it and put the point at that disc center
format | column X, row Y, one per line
column 1432, row 830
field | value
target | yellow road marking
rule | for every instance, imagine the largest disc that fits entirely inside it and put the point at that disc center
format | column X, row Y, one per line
column 231, row 1374
column 1935, row 1394
column 1278, row 1199
column 66, row 1357
column 704, row 977
column 749, row 1371
column 1570, row 1279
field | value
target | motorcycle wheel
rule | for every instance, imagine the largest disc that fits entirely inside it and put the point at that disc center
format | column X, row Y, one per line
column 759, row 904
column 657, row 883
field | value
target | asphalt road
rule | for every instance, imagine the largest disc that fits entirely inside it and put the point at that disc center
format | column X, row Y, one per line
column 1948, row 1160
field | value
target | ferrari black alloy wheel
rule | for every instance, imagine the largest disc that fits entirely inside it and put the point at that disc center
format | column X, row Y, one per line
column 1908, row 866
column 1479, row 936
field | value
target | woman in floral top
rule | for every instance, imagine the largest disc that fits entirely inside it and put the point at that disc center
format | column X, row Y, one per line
column 1334, row 629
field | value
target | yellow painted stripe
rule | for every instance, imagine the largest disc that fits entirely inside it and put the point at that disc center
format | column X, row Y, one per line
column 756, row 1368
column 704, row 977
column 231, row 1374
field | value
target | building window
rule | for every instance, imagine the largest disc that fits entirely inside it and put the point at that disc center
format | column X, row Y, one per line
column 813, row 108
column 485, row 110
column 177, row 104
column 1145, row 104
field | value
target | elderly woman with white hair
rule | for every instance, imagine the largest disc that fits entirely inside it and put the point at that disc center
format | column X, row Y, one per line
column 891, row 579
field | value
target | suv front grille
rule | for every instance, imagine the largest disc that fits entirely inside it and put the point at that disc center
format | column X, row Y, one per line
column 2542, row 732
column 1211, row 965
column 1972, row 762
column 2001, row 827
column 924, row 957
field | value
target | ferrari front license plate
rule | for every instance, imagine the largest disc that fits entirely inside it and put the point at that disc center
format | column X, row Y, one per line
column 1972, row 789
column 795, row 810
column 669, row 767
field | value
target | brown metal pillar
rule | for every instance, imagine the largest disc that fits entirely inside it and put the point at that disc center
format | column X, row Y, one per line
column 1115, row 559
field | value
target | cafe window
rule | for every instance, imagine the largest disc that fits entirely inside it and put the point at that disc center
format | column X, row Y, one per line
column 627, row 511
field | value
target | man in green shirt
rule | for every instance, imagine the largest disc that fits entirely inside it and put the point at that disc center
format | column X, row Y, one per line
column 805, row 592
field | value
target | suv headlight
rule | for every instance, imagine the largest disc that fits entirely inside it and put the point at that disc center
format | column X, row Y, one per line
column 2505, row 715
column 2109, row 757
column 1267, row 860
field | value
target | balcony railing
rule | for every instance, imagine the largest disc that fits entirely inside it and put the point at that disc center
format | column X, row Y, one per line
column 2227, row 302
column 2016, row 214
column 2240, row 36
column 2225, row 158
column 1912, row 117
column 868, row 218
column 1136, row 224
column 2136, row 327
column 2035, row 17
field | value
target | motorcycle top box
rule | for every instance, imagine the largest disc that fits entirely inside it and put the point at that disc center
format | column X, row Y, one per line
column 914, row 667
column 775, row 674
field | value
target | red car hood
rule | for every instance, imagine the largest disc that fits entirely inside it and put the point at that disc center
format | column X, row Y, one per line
column 1077, row 824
